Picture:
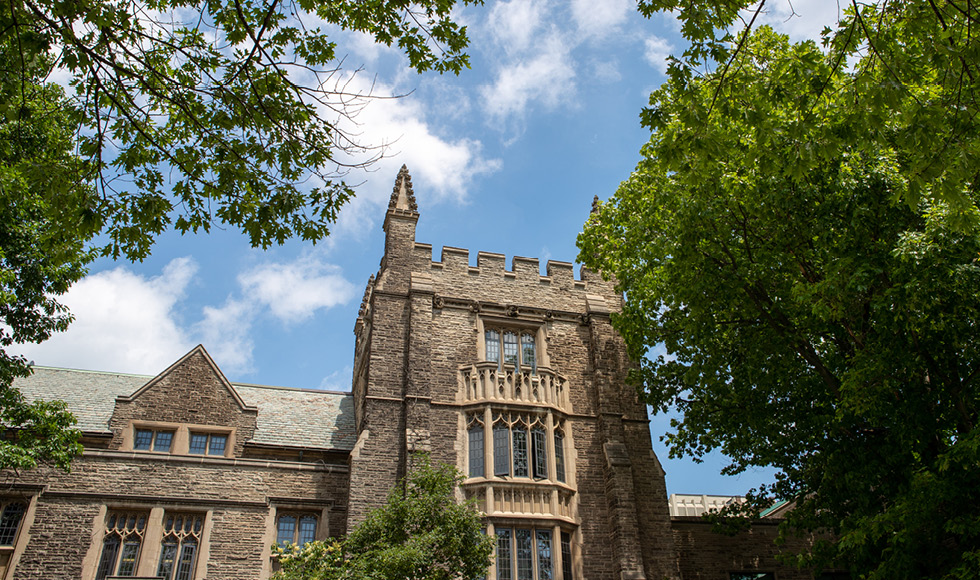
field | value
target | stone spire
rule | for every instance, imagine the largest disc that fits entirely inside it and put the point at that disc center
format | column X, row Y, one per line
column 402, row 196
column 595, row 204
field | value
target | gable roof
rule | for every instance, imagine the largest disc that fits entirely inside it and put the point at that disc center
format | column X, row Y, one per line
column 196, row 351
column 286, row 416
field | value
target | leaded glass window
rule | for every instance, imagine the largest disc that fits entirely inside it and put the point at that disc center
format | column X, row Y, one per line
column 179, row 548
column 566, row 556
column 525, row 559
column 501, row 449
column 13, row 513
column 475, row 434
column 512, row 349
column 493, row 345
column 519, row 438
column 528, row 554
column 121, row 546
column 528, row 357
column 539, row 452
column 503, row 555
column 520, row 446
column 559, row 455
column 545, row 565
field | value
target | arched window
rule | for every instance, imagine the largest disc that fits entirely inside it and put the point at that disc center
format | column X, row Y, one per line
column 475, row 436
column 121, row 547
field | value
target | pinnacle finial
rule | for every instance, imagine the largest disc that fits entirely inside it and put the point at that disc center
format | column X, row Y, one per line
column 595, row 204
column 402, row 196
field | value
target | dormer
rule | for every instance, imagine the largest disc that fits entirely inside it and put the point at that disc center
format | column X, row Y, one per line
column 188, row 409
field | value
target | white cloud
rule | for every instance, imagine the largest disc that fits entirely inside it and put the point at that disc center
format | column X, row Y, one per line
column 548, row 78
column 294, row 291
column 123, row 322
column 656, row 52
column 442, row 168
column 513, row 24
column 226, row 333
column 599, row 19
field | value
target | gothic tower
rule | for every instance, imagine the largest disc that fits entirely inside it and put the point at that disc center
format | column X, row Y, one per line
column 518, row 379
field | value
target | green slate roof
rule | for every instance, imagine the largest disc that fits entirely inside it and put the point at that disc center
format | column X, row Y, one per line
column 286, row 416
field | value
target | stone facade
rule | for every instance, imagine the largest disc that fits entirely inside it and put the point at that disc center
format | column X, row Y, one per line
column 515, row 378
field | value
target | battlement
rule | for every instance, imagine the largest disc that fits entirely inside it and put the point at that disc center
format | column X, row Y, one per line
column 453, row 273
column 457, row 260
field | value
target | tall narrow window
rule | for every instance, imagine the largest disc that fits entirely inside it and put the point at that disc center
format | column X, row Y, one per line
column 539, row 452
column 525, row 560
column 503, row 555
column 519, row 437
column 13, row 513
column 528, row 357
column 476, row 449
column 501, row 449
column 510, row 349
column 545, row 564
column 566, row 556
column 122, row 543
column 559, row 455
column 181, row 537
column 493, row 345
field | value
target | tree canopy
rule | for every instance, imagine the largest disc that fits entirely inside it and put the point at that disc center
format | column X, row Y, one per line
column 421, row 533
column 912, row 70
column 191, row 113
column 42, row 252
column 180, row 114
column 814, row 309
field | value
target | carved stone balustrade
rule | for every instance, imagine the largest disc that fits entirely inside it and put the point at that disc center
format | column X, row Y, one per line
column 485, row 382
column 506, row 499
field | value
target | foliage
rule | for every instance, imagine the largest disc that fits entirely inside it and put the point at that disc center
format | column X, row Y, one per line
column 808, row 320
column 41, row 255
column 191, row 113
column 183, row 114
column 421, row 533
column 912, row 82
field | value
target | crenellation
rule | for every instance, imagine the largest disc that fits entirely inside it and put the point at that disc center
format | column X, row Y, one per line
column 491, row 262
column 562, row 273
column 525, row 268
column 455, row 259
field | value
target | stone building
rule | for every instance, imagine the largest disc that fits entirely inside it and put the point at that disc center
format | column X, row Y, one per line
column 517, row 379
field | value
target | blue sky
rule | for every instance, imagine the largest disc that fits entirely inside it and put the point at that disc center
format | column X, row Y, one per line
column 505, row 158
